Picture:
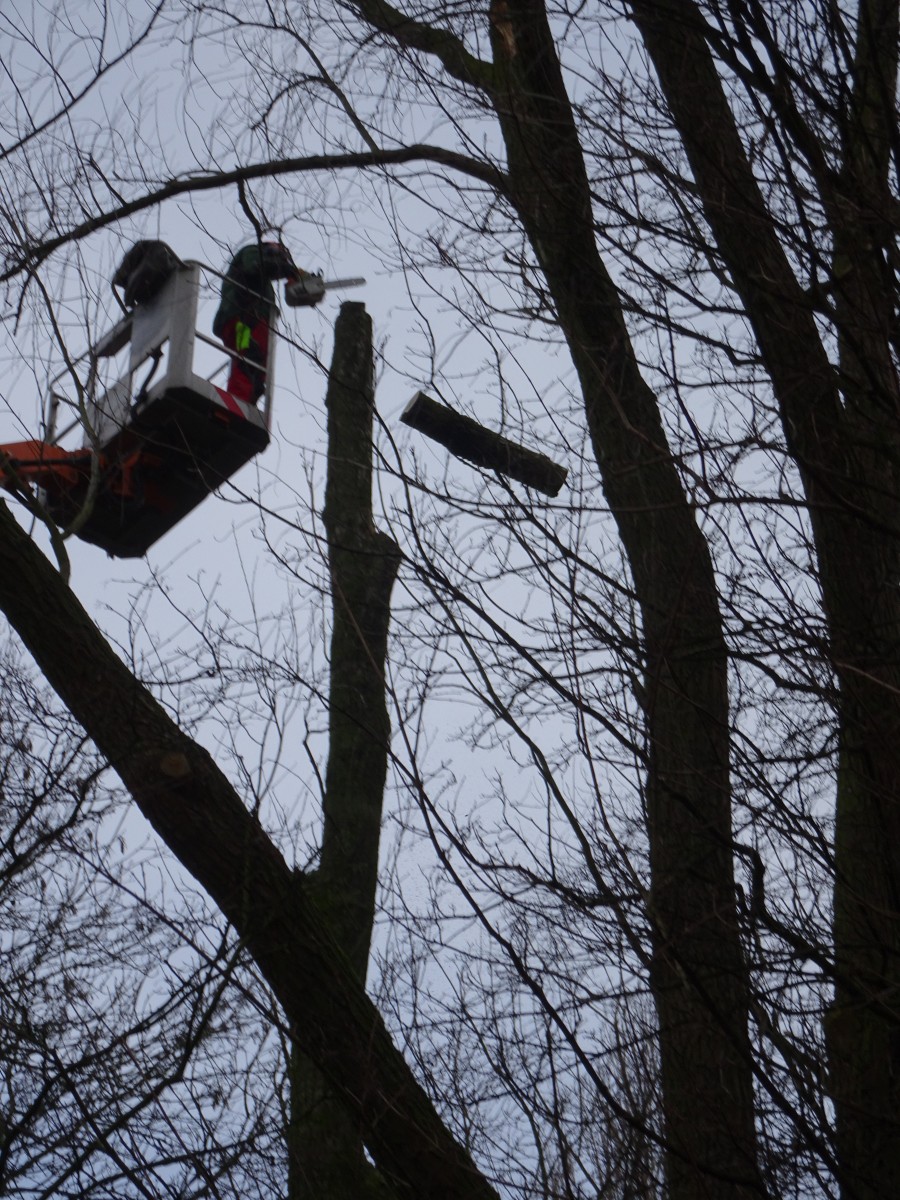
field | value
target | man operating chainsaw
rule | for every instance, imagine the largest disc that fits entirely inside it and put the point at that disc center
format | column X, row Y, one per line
column 247, row 306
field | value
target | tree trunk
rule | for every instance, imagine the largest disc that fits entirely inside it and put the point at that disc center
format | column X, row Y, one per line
column 859, row 581
column 325, row 1147
column 197, row 812
column 843, row 432
column 698, row 972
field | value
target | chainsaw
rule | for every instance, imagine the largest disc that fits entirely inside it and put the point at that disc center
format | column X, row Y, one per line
column 309, row 289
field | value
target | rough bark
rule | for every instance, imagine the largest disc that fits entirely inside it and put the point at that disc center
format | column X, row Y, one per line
column 197, row 812
column 326, row 1156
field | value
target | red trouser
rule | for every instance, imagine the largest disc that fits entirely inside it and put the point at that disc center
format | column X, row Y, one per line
column 247, row 381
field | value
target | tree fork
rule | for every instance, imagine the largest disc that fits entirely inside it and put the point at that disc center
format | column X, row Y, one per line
column 199, row 815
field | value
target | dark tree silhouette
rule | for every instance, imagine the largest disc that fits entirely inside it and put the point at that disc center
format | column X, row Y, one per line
column 697, row 203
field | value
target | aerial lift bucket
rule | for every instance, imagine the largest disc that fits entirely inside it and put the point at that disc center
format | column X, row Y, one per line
column 156, row 448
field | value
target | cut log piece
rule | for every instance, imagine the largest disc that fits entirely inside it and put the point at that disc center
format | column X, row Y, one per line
column 466, row 439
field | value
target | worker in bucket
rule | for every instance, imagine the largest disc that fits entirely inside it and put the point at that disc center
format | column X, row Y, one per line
column 247, row 306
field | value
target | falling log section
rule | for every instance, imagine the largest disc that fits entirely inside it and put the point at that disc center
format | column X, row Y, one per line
column 466, row 439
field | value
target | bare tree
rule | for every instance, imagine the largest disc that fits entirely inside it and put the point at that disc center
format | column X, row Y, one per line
column 120, row 1028
column 693, row 663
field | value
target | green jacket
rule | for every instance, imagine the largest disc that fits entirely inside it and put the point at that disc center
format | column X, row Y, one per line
column 247, row 290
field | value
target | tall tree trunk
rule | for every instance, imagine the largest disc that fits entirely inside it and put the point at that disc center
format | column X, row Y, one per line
column 698, row 972
column 325, row 1146
column 843, row 430
column 864, row 609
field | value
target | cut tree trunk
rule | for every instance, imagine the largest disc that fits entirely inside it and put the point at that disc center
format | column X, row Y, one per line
column 325, row 1145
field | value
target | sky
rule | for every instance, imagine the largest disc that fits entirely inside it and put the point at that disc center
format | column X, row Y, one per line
column 164, row 110
column 160, row 110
